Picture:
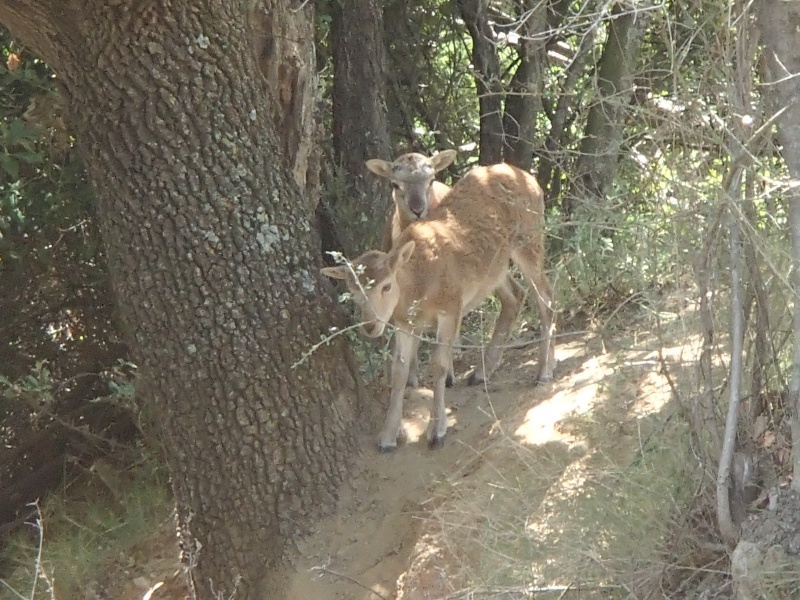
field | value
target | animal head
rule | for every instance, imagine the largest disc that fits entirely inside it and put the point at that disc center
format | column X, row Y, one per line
column 412, row 176
column 372, row 280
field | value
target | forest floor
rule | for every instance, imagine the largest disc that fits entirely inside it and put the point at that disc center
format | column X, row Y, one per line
column 567, row 490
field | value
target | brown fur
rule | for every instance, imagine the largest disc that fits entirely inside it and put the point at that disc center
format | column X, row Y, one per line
column 442, row 267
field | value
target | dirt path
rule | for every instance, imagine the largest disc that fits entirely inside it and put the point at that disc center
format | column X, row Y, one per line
column 548, row 487
column 360, row 552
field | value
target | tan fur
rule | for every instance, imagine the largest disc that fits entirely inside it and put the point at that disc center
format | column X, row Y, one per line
column 400, row 218
column 442, row 267
column 412, row 176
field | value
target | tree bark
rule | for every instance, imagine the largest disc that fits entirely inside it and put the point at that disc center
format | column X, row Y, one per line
column 486, row 66
column 780, row 33
column 360, row 129
column 283, row 42
column 524, row 101
column 603, row 136
column 198, row 163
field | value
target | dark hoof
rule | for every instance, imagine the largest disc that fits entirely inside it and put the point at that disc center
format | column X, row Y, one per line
column 386, row 449
column 449, row 381
column 435, row 443
column 475, row 380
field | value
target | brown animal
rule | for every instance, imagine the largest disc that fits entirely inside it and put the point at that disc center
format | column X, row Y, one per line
column 415, row 190
column 441, row 268
column 415, row 193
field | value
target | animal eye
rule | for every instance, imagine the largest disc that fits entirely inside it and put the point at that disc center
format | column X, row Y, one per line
column 386, row 287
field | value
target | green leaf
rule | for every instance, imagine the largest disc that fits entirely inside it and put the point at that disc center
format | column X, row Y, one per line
column 32, row 158
column 10, row 166
column 18, row 130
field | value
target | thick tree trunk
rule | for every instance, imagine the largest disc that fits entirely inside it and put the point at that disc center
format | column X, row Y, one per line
column 780, row 33
column 213, row 261
column 603, row 136
column 283, row 43
column 487, row 79
column 360, row 130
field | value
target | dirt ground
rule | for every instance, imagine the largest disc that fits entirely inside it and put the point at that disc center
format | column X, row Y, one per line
column 518, row 460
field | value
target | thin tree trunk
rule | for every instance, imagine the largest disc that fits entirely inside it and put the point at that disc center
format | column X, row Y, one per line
column 524, row 101
column 523, row 104
column 554, row 159
column 486, row 67
column 604, row 133
column 726, row 526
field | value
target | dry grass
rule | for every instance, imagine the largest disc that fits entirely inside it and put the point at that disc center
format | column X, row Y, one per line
column 82, row 530
column 592, row 492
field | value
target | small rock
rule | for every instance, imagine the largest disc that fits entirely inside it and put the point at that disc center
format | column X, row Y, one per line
column 746, row 562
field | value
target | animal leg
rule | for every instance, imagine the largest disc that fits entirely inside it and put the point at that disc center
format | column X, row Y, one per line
column 404, row 348
column 441, row 361
column 530, row 261
column 511, row 296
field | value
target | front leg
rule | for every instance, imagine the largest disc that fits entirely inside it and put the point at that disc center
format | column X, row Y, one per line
column 441, row 365
column 404, row 348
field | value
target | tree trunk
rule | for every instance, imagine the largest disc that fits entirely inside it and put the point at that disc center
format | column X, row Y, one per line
column 486, row 68
column 197, row 165
column 603, row 136
column 524, row 102
column 283, row 43
column 360, row 130
column 780, row 33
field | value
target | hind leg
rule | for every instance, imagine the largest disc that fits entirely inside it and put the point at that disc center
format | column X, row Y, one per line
column 511, row 296
column 441, row 360
column 530, row 260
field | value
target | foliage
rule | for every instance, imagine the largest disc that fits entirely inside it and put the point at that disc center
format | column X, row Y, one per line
column 43, row 191
column 658, row 228
column 83, row 529
column 37, row 392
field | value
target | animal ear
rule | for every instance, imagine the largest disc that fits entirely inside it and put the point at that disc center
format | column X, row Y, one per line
column 339, row 272
column 443, row 160
column 400, row 257
column 381, row 168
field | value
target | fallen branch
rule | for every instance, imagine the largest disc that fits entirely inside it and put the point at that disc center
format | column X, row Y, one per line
column 528, row 590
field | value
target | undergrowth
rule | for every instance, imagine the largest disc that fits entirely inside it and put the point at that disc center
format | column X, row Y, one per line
column 83, row 527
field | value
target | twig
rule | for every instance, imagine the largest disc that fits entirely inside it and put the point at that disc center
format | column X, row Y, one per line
column 572, row 587
column 324, row 342
column 37, row 565
column 347, row 577
column 301, row 7
column 564, row 593
column 40, row 528
column 12, row 590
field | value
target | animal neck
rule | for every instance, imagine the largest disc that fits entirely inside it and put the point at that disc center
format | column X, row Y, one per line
column 411, row 311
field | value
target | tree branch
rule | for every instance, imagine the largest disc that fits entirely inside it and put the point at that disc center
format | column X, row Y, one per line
column 43, row 25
